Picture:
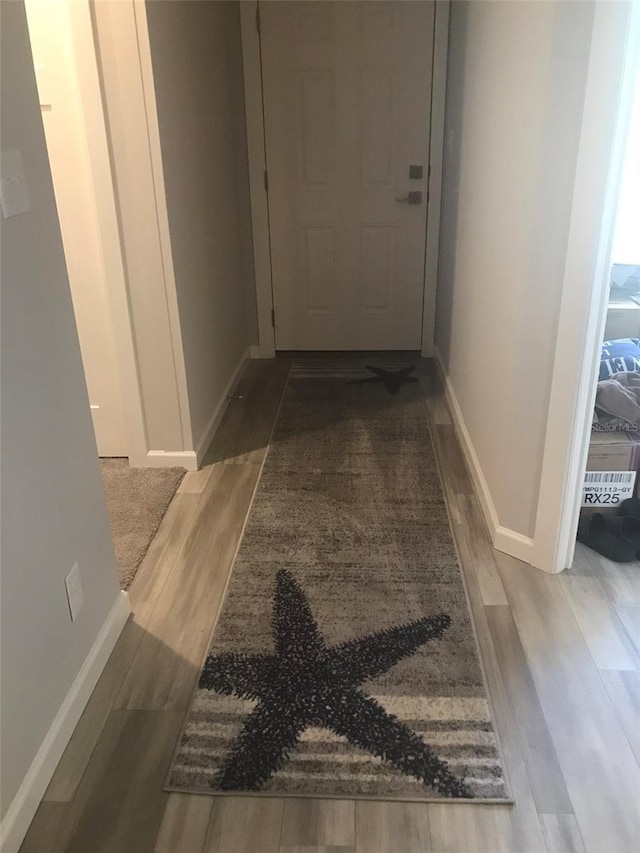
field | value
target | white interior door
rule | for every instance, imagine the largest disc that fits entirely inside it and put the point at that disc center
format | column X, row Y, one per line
column 347, row 89
column 51, row 37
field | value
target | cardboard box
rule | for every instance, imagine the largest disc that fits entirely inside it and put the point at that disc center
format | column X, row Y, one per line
column 612, row 451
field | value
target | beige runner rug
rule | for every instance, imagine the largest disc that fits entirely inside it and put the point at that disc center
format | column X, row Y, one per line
column 344, row 661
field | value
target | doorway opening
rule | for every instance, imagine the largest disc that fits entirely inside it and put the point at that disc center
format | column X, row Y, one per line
column 609, row 523
column 70, row 102
column 606, row 112
column 67, row 66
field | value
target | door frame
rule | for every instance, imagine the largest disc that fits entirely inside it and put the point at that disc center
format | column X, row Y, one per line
column 256, row 146
column 585, row 286
column 117, row 37
column 93, row 117
column 129, row 90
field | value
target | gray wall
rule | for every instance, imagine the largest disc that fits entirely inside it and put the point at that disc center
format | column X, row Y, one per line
column 197, row 66
column 515, row 93
column 53, row 511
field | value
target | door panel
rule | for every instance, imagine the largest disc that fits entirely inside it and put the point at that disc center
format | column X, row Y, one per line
column 377, row 265
column 347, row 101
column 51, row 36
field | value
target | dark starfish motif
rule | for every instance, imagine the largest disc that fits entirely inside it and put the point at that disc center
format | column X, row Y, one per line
column 391, row 379
column 308, row 683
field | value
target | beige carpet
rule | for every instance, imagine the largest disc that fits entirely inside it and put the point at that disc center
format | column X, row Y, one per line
column 137, row 499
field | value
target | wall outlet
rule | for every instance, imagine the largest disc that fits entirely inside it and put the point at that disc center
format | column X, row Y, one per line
column 75, row 592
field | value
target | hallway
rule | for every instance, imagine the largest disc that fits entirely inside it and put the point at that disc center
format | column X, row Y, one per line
column 558, row 651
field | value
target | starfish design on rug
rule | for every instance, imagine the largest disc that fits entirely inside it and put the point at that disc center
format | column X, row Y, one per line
column 391, row 379
column 309, row 683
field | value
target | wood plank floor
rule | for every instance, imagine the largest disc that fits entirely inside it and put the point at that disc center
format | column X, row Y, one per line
column 560, row 653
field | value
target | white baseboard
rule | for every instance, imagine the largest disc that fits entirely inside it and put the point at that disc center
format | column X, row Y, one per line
column 477, row 475
column 515, row 544
column 169, row 459
column 503, row 538
column 21, row 811
column 254, row 351
column 192, row 459
column 216, row 416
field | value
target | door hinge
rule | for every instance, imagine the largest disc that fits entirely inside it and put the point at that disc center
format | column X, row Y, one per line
column 258, row 17
column 273, row 317
column 266, row 181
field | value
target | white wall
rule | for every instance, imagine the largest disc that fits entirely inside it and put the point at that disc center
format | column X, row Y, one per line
column 197, row 68
column 51, row 38
column 516, row 84
column 53, row 511
column 626, row 245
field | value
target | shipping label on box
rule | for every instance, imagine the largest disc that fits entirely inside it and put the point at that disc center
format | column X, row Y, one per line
column 607, row 488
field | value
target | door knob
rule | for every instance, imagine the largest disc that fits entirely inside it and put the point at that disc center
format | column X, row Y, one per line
column 413, row 197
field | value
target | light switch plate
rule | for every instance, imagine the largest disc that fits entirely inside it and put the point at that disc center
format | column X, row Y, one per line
column 13, row 184
column 75, row 592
